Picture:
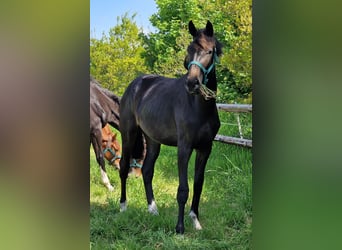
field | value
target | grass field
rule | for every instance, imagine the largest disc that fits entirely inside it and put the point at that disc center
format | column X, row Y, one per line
column 225, row 208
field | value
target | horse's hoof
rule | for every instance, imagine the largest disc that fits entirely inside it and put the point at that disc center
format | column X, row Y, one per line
column 152, row 208
column 195, row 220
column 180, row 229
column 123, row 206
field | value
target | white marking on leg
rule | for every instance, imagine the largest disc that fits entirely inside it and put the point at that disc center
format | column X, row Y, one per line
column 152, row 208
column 123, row 206
column 195, row 220
column 105, row 180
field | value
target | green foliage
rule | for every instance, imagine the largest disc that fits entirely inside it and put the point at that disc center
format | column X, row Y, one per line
column 237, row 59
column 115, row 59
column 126, row 52
column 232, row 20
column 166, row 49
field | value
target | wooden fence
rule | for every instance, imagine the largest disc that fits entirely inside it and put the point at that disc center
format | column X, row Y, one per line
column 247, row 108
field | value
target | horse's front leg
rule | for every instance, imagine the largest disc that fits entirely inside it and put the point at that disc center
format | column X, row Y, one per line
column 184, row 154
column 201, row 161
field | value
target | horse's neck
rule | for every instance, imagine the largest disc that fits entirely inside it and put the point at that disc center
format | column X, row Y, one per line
column 206, row 107
column 212, row 82
column 112, row 114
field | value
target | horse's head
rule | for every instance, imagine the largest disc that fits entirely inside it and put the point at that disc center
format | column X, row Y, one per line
column 202, row 54
column 111, row 148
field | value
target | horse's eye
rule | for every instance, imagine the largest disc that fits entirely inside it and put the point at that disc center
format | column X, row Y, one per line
column 209, row 52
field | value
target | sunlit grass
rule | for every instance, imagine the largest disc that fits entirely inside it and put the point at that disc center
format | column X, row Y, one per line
column 225, row 207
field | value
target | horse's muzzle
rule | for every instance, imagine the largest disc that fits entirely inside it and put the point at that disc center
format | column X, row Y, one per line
column 192, row 86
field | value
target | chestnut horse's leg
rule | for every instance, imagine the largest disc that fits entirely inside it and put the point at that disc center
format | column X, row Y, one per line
column 201, row 161
column 184, row 153
column 97, row 142
column 153, row 150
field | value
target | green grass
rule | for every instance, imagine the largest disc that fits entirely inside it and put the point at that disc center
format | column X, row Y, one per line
column 225, row 208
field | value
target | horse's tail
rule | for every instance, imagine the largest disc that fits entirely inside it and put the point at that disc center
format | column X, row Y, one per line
column 139, row 146
column 128, row 125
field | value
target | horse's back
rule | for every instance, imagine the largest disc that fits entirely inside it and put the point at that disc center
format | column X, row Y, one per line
column 148, row 103
column 166, row 112
column 148, row 90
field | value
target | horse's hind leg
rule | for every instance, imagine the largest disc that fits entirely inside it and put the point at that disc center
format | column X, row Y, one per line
column 201, row 161
column 128, row 144
column 124, row 169
column 96, row 141
column 153, row 150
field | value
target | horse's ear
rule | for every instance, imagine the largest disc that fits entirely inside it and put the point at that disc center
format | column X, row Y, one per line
column 192, row 29
column 186, row 62
column 209, row 30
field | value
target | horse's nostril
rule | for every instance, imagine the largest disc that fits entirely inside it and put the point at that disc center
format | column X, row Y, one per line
column 192, row 82
column 192, row 85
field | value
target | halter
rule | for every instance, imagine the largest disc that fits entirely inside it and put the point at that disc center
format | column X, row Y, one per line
column 113, row 153
column 135, row 164
column 204, row 70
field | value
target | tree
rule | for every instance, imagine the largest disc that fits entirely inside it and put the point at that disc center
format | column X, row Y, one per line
column 115, row 59
column 237, row 59
column 232, row 20
column 165, row 49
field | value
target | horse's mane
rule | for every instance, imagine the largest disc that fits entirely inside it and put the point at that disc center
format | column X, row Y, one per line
column 105, row 91
column 111, row 95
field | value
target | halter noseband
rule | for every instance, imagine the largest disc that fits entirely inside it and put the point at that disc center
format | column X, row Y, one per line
column 113, row 153
column 204, row 70
column 134, row 163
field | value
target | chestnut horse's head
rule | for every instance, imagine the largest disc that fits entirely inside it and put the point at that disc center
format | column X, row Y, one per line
column 202, row 55
column 111, row 147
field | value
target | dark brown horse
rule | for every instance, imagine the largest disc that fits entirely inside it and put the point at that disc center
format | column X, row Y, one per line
column 177, row 112
column 104, row 108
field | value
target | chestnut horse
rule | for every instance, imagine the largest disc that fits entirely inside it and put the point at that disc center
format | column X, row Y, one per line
column 176, row 112
column 112, row 151
column 111, row 147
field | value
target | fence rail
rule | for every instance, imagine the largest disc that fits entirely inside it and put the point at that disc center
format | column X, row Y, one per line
column 247, row 108
column 234, row 107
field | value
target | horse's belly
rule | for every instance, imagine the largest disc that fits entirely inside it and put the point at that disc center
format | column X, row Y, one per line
column 160, row 131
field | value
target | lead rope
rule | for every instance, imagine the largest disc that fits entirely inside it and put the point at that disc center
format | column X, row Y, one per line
column 207, row 93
